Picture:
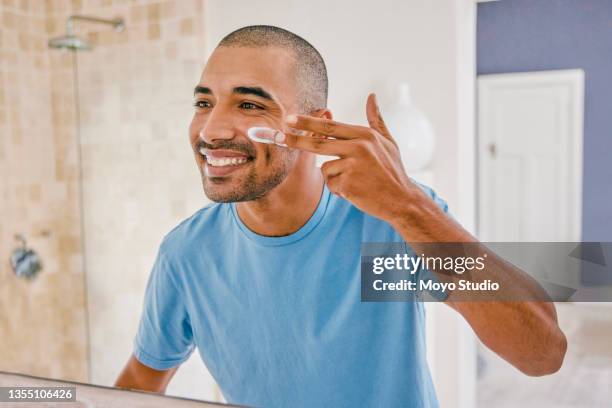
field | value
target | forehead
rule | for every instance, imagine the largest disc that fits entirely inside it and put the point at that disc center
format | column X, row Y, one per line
column 271, row 68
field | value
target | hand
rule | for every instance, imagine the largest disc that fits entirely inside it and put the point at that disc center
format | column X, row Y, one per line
column 369, row 171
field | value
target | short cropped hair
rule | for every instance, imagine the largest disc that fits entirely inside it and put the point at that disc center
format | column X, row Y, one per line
column 311, row 72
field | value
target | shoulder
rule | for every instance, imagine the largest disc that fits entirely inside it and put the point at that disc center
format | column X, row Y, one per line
column 195, row 230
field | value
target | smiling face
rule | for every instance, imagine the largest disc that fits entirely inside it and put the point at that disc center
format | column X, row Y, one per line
column 242, row 87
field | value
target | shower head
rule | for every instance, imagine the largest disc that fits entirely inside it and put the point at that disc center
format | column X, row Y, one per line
column 74, row 43
column 70, row 42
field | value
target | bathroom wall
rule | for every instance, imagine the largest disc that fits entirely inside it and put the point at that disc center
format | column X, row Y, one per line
column 43, row 321
column 139, row 174
column 77, row 320
column 562, row 34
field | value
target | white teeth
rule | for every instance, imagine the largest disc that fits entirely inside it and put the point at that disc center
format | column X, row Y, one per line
column 225, row 161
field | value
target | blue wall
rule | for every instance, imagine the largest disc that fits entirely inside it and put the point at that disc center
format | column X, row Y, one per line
column 536, row 35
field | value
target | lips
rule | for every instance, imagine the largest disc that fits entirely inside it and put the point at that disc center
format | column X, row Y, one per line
column 222, row 162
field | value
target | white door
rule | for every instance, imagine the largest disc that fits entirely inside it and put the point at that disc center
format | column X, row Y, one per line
column 530, row 156
column 529, row 181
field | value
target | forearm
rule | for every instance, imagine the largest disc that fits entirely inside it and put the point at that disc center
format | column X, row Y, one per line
column 137, row 376
column 521, row 326
column 522, row 333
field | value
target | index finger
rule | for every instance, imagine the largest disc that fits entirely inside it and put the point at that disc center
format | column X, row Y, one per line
column 327, row 147
column 327, row 127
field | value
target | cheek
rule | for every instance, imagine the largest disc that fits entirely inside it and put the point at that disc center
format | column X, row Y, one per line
column 270, row 156
column 265, row 154
column 244, row 122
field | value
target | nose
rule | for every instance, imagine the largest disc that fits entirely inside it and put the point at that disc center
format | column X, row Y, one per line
column 218, row 126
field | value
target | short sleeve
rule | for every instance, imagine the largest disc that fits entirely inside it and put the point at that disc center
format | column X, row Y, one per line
column 423, row 274
column 165, row 338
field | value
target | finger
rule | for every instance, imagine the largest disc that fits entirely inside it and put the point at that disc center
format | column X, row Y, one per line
column 333, row 168
column 375, row 118
column 263, row 134
column 327, row 127
column 335, row 185
column 328, row 147
column 335, row 173
column 268, row 135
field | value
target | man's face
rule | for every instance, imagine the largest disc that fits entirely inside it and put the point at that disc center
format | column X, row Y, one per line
column 242, row 87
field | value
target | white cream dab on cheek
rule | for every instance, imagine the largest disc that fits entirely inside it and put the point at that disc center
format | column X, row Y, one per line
column 264, row 135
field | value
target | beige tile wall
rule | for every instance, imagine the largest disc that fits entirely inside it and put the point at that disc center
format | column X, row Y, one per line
column 139, row 177
column 42, row 322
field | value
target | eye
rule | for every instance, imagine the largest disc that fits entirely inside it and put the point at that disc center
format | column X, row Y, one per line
column 202, row 104
column 249, row 106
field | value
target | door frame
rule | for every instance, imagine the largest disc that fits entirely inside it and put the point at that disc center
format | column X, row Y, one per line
column 574, row 80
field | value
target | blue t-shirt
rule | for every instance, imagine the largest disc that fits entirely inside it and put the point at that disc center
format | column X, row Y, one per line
column 278, row 321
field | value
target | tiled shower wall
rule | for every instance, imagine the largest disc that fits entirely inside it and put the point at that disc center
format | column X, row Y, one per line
column 139, row 177
column 43, row 321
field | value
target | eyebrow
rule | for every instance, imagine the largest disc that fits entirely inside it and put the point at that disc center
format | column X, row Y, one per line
column 242, row 90
column 202, row 90
column 253, row 90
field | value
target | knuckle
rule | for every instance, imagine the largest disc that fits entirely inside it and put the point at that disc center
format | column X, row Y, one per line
column 317, row 144
column 328, row 127
column 371, row 135
column 362, row 146
column 325, row 167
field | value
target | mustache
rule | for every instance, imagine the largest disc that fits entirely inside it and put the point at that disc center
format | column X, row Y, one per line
column 229, row 145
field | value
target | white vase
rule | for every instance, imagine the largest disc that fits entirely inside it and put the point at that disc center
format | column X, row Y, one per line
column 411, row 129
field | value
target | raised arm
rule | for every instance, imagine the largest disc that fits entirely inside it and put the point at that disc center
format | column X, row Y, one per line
column 525, row 333
column 369, row 173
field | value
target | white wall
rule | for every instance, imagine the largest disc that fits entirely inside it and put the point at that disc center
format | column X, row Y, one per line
column 365, row 45
column 428, row 43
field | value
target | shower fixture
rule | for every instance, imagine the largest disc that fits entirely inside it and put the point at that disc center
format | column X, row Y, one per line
column 71, row 42
column 25, row 261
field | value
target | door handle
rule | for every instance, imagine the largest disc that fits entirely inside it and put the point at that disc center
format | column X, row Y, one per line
column 492, row 149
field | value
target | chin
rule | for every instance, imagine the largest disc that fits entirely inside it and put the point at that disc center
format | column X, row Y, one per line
column 242, row 187
column 217, row 192
column 221, row 190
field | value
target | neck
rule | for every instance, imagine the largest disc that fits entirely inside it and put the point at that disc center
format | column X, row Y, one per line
column 287, row 207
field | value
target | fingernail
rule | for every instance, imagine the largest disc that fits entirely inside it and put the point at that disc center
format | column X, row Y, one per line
column 261, row 134
column 279, row 138
column 291, row 119
column 298, row 132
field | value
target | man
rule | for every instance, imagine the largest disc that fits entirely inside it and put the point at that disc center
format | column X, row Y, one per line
column 266, row 283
